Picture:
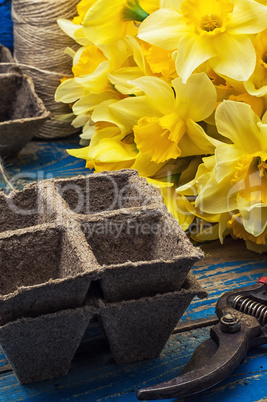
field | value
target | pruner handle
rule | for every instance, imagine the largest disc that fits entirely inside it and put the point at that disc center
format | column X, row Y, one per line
column 263, row 278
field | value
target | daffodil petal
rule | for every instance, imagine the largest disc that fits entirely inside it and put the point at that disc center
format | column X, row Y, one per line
column 158, row 183
column 87, row 134
column 71, row 29
column 77, row 55
column 106, row 132
column 255, row 219
column 252, row 90
column 99, row 25
column 197, row 98
column 193, row 50
column 263, row 128
column 223, row 230
column 110, row 154
column 264, row 118
column 227, row 156
column 79, row 152
column 103, row 113
column 145, row 166
column 65, row 118
column 128, row 111
column 201, row 178
column 158, row 91
column 196, row 141
column 120, row 79
column 97, row 81
column 163, row 28
column 109, row 150
column 177, row 206
column 149, row 5
column 81, row 120
column 208, row 233
column 248, row 17
column 117, row 52
column 172, row 4
column 235, row 56
column 69, row 91
column 89, row 102
column 215, row 198
column 87, row 60
column 238, row 122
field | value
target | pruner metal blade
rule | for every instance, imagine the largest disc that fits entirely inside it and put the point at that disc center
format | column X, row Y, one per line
column 212, row 361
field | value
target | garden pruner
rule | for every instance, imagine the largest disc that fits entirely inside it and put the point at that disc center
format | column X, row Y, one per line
column 242, row 325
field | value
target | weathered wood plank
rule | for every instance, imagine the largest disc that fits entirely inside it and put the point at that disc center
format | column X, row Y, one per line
column 40, row 160
column 225, row 267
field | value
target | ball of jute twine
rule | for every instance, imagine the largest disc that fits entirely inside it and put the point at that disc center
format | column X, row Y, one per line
column 39, row 49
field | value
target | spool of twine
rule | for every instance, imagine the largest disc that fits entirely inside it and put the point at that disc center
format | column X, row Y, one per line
column 39, row 46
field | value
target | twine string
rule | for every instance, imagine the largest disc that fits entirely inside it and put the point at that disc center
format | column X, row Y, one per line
column 3, row 173
column 39, row 46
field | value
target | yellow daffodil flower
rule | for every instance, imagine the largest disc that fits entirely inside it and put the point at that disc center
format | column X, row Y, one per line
column 108, row 20
column 147, row 60
column 235, row 179
column 217, row 31
column 91, row 67
column 169, row 130
column 109, row 154
column 108, row 150
column 164, row 122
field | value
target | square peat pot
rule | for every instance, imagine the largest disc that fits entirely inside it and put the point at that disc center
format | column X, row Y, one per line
column 22, row 113
column 43, row 347
column 139, row 329
column 142, row 252
column 107, row 191
column 43, row 269
column 32, row 206
column 19, row 209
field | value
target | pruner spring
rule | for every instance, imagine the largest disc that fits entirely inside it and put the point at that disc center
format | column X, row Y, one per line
column 243, row 325
column 251, row 307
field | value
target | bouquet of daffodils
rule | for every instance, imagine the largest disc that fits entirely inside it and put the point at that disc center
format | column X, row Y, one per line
column 177, row 89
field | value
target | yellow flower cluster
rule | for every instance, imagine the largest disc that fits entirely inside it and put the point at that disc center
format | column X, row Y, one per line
column 177, row 89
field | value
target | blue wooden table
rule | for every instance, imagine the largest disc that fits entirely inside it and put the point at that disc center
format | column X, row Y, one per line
column 94, row 376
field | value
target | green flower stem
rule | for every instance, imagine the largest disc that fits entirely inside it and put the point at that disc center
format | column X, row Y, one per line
column 134, row 12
